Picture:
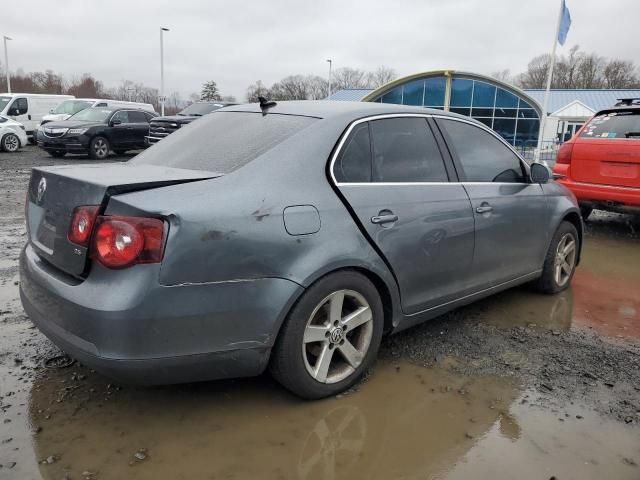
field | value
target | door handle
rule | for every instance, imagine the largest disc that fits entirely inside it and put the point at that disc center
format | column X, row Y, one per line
column 484, row 209
column 29, row 116
column 380, row 219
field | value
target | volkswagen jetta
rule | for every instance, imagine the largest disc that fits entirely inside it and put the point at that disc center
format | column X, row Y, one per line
column 290, row 236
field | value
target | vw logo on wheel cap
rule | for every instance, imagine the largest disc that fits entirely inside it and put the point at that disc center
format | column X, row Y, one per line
column 42, row 188
column 336, row 335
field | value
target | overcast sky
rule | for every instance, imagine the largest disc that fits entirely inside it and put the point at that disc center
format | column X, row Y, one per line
column 238, row 42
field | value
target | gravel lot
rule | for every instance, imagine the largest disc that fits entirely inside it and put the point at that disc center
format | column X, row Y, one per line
column 578, row 348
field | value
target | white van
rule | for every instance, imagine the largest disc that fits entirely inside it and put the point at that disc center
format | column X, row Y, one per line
column 73, row 106
column 29, row 108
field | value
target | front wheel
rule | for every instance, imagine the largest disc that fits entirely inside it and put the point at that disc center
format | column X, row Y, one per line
column 330, row 337
column 99, row 148
column 10, row 143
column 561, row 260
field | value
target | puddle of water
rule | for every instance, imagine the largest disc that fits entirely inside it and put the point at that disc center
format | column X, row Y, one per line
column 405, row 422
column 604, row 295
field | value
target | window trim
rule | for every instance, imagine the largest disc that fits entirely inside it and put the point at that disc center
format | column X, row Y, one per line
column 451, row 155
column 460, row 168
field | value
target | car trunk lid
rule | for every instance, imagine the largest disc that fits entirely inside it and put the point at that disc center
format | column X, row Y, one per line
column 607, row 150
column 54, row 193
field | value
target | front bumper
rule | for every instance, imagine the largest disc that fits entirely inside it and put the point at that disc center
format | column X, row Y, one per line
column 78, row 144
column 124, row 324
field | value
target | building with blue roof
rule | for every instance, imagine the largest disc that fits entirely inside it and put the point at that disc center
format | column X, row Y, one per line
column 513, row 113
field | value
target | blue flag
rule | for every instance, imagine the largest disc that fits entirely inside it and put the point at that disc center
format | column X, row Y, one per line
column 565, row 23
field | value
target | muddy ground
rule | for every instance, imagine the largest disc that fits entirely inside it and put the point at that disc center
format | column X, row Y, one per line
column 516, row 386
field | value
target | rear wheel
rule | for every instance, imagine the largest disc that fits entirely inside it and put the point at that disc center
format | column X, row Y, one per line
column 330, row 337
column 57, row 154
column 585, row 212
column 99, row 148
column 10, row 143
column 560, row 262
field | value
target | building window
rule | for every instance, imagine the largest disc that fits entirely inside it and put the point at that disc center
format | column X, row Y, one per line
column 413, row 93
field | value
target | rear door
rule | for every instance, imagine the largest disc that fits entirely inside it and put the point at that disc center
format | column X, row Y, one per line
column 608, row 150
column 512, row 218
column 393, row 174
column 139, row 121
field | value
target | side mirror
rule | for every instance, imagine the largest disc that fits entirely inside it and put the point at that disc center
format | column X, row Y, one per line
column 540, row 173
column 115, row 122
column 13, row 111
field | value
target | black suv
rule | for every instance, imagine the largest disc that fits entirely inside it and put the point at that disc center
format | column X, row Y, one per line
column 160, row 127
column 96, row 131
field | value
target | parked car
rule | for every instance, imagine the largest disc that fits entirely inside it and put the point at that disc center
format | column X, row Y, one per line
column 70, row 107
column 29, row 108
column 12, row 135
column 160, row 127
column 96, row 131
column 601, row 163
column 289, row 235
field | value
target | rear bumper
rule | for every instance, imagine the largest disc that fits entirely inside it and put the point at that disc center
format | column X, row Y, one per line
column 603, row 195
column 144, row 333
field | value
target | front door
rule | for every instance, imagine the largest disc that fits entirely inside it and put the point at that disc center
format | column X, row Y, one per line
column 511, row 214
column 121, row 131
column 393, row 175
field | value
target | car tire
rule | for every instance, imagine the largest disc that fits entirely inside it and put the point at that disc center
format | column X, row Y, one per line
column 560, row 262
column 57, row 154
column 325, row 346
column 10, row 143
column 585, row 212
column 99, row 148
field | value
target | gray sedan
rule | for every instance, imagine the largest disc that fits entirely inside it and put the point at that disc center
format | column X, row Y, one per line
column 288, row 236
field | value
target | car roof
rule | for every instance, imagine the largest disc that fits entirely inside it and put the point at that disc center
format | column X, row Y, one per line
column 333, row 109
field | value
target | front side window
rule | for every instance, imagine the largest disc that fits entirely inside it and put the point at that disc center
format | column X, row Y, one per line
column 620, row 124
column 484, row 158
column 137, row 117
column 405, row 150
column 19, row 106
column 122, row 116
column 353, row 164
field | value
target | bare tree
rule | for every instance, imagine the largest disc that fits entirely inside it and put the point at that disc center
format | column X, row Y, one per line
column 502, row 75
column 536, row 74
column 348, row 77
column 380, row 76
column 256, row 90
column 620, row 74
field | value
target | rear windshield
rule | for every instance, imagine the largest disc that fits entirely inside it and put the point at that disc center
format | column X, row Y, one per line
column 222, row 141
column 199, row 109
column 620, row 124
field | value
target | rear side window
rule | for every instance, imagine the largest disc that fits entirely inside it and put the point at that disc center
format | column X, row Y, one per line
column 484, row 158
column 620, row 124
column 223, row 141
column 353, row 164
column 404, row 150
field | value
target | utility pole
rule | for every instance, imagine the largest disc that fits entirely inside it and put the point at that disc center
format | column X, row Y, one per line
column 330, row 64
column 6, row 64
column 162, row 99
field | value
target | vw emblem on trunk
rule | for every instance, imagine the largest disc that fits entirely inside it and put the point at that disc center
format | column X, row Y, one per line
column 42, row 187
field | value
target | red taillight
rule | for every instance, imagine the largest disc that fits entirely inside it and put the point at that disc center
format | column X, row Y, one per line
column 564, row 153
column 82, row 223
column 120, row 242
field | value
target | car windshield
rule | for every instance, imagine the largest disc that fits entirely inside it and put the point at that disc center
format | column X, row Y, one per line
column 618, row 124
column 198, row 109
column 223, row 142
column 92, row 115
column 69, row 107
column 3, row 102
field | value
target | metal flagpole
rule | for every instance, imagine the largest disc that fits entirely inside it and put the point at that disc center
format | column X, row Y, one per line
column 545, row 103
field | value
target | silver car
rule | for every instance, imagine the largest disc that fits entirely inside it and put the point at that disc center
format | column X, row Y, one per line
column 291, row 236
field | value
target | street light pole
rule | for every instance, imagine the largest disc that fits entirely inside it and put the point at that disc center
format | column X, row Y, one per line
column 330, row 64
column 6, row 64
column 162, row 30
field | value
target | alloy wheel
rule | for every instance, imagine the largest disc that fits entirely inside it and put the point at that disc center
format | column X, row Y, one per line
column 11, row 143
column 337, row 336
column 565, row 259
column 100, row 148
